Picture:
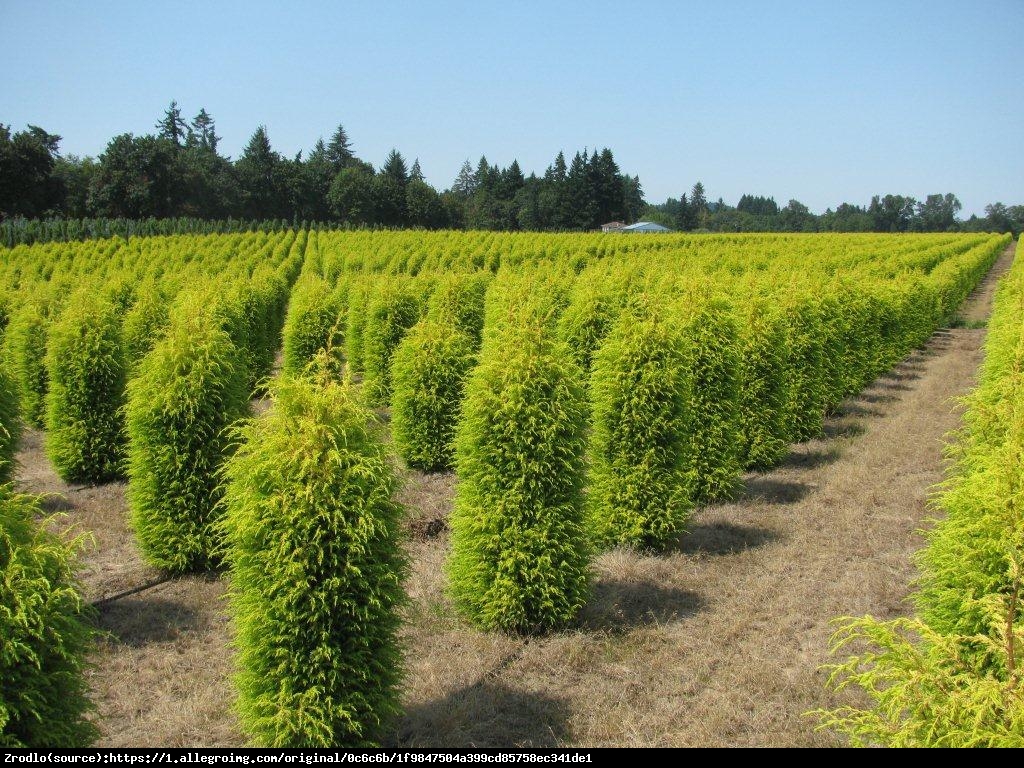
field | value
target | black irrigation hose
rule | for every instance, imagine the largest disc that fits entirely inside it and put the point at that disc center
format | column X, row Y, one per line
column 132, row 591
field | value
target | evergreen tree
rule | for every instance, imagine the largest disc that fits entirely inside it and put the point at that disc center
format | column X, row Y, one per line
column 465, row 182
column 685, row 219
column 259, row 170
column 395, row 168
column 633, row 198
column 202, row 132
column 582, row 206
column 172, row 127
column 416, row 174
column 339, row 150
column 698, row 207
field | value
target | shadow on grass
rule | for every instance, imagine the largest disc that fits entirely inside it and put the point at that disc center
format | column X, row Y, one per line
column 840, row 427
column 876, row 398
column 619, row 606
column 140, row 621
column 766, row 490
column 485, row 714
column 53, row 502
column 724, row 539
column 811, row 459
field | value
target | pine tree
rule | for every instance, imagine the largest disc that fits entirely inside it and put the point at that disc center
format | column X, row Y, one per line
column 339, row 150
column 465, row 182
column 698, row 206
column 172, row 127
column 416, row 174
column 395, row 168
column 685, row 218
column 202, row 132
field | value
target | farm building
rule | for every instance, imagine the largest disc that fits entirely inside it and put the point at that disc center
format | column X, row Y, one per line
column 645, row 226
column 613, row 226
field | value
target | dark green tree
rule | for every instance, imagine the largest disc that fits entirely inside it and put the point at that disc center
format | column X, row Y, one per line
column 260, row 178
column 171, row 126
column 339, row 150
column 351, row 196
column 395, row 168
column 202, row 132
column 138, row 177
column 28, row 186
column 699, row 206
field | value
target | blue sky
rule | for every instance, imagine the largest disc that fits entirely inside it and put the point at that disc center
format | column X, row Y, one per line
column 819, row 101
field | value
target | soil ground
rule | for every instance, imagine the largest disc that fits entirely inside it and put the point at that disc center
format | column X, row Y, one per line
column 717, row 642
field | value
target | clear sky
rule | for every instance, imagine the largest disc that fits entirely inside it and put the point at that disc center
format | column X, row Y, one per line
column 819, row 101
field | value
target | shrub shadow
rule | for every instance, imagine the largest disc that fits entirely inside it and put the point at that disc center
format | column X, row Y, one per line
column 768, row 491
column 485, row 714
column 810, row 459
column 842, row 428
column 140, row 621
column 724, row 539
column 619, row 606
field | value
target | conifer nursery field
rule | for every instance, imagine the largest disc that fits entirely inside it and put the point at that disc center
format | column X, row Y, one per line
column 453, row 488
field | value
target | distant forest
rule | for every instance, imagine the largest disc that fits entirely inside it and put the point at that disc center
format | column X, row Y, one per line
column 178, row 172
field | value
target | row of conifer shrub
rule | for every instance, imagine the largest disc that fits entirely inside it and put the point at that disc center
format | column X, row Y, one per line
column 310, row 530
column 950, row 676
column 45, row 626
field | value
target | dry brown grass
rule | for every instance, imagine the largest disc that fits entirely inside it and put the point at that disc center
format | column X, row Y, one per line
column 717, row 642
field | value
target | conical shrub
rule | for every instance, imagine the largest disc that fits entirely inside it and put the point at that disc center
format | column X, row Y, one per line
column 428, row 381
column 714, row 370
column 520, row 549
column 459, row 299
column 143, row 325
column 10, row 423
column 640, row 445
column 806, row 410
column 25, row 342
column 393, row 310
column 765, row 386
column 314, row 322
column 85, row 363
column 316, row 571
column 45, row 633
column 189, row 390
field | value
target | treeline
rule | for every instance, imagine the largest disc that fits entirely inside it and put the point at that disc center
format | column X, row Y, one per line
column 178, row 172
column 885, row 213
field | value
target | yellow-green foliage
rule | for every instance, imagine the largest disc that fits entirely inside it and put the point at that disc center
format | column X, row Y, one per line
column 316, row 571
column 188, row 391
column 765, row 385
column 44, row 633
column 952, row 676
column 639, row 452
column 86, row 368
column 143, row 325
column 459, row 300
column 806, row 410
column 392, row 311
column 520, row 548
column 588, row 318
column 354, row 325
column 713, row 366
column 428, row 381
column 10, row 423
column 970, row 551
column 315, row 322
column 25, row 342
column 5, row 312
